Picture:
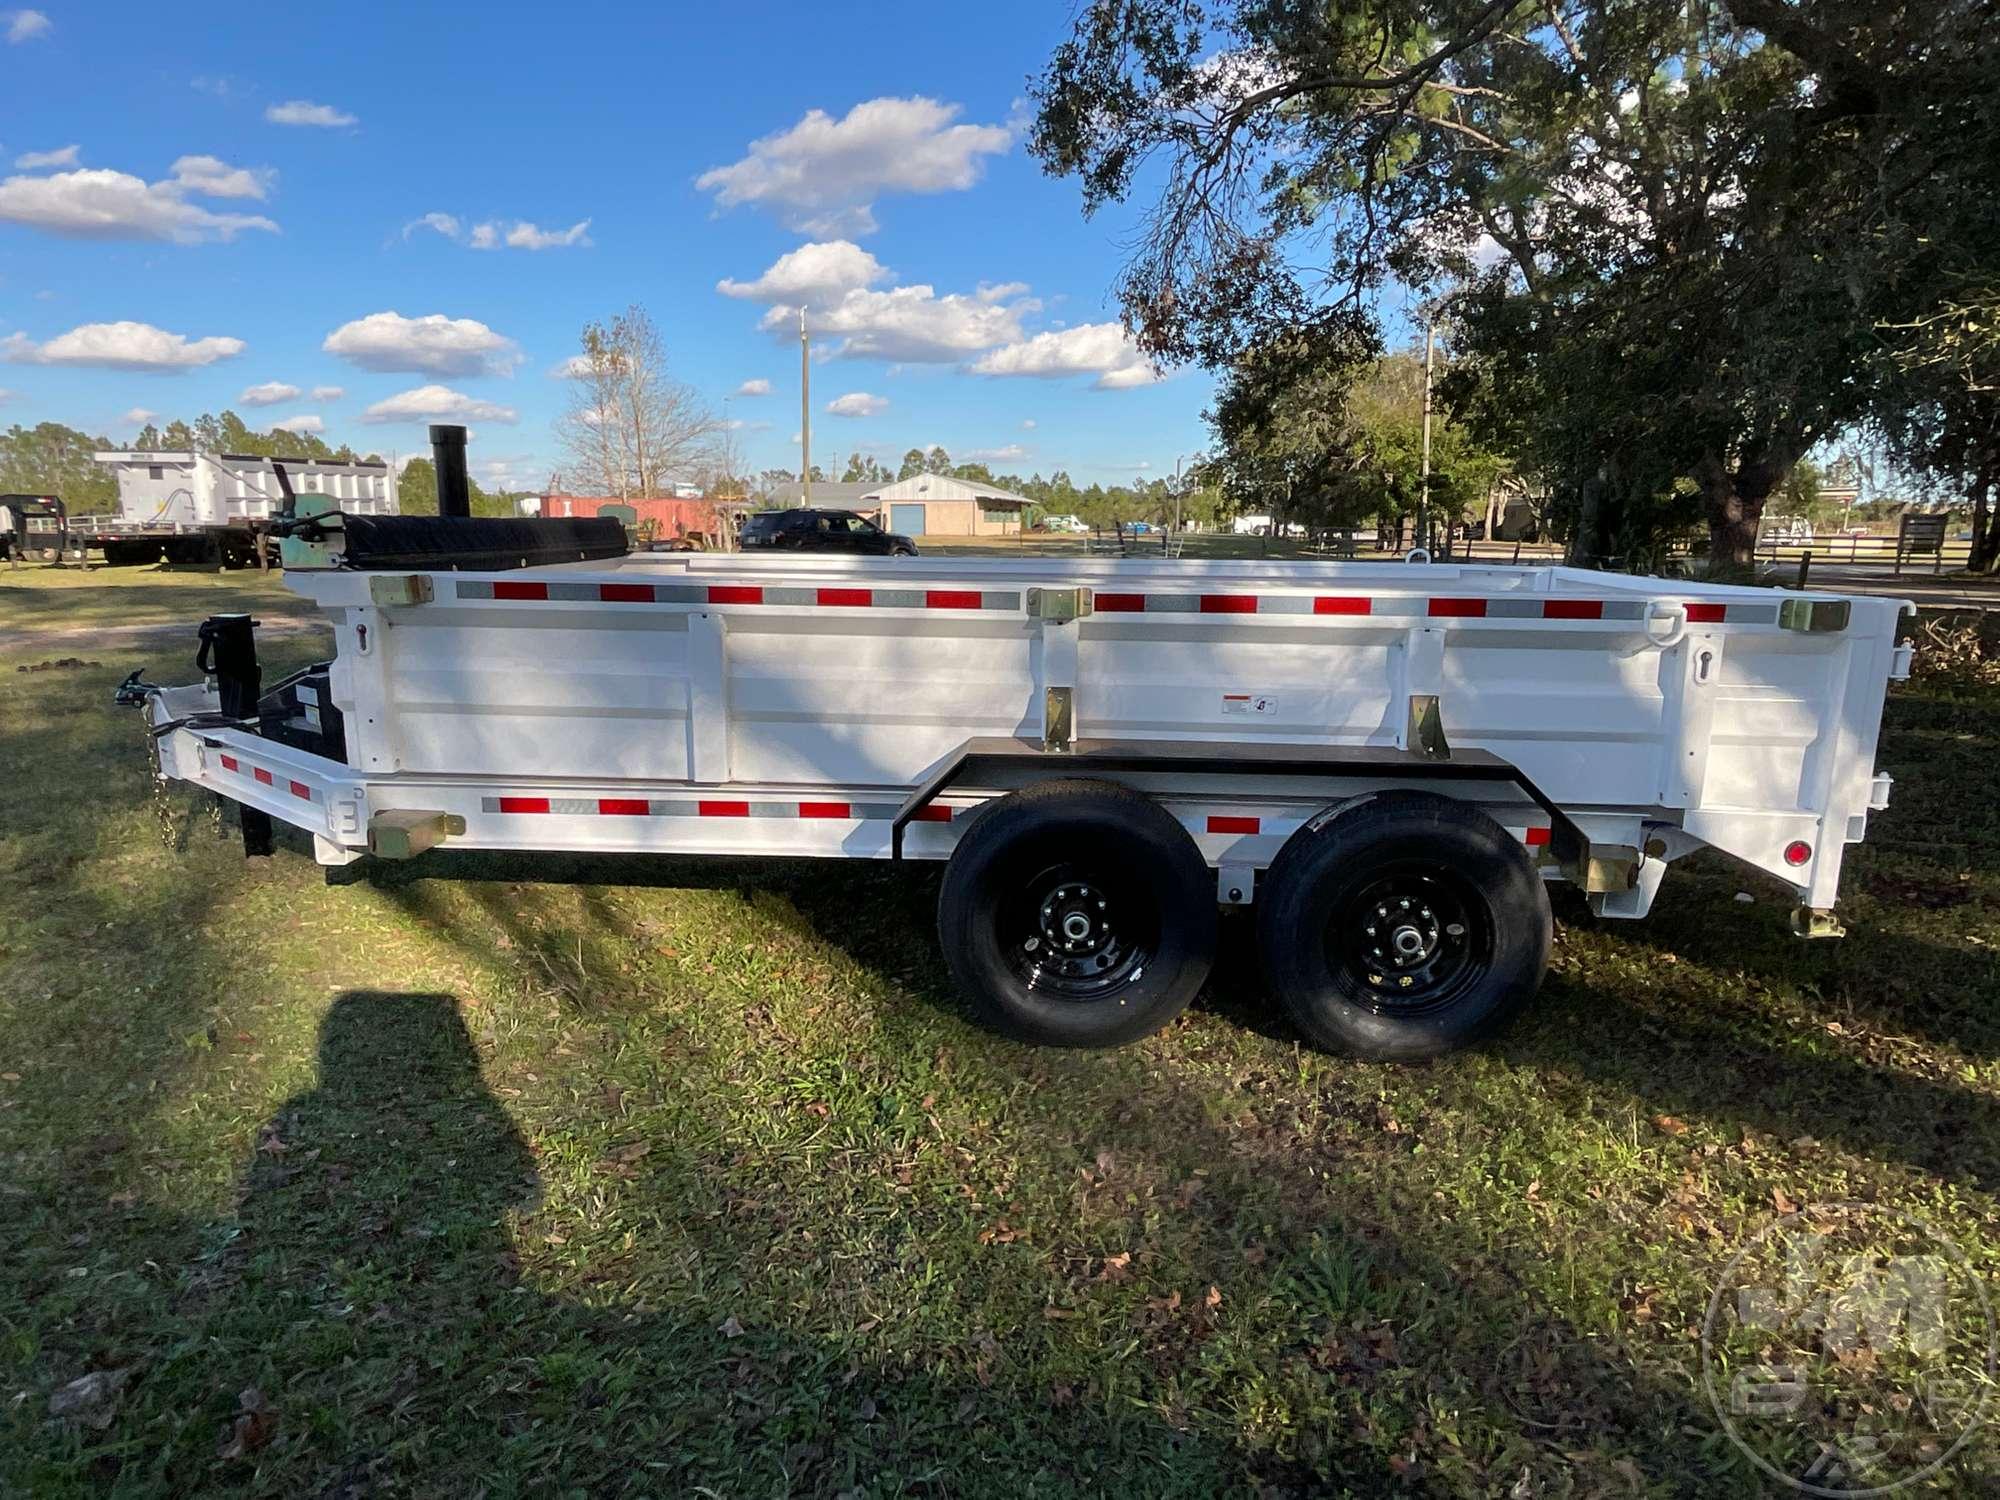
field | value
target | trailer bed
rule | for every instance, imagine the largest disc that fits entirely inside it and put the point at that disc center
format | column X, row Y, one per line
column 780, row 705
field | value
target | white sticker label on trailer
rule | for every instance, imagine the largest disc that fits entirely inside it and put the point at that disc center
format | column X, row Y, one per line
column 1249, row 703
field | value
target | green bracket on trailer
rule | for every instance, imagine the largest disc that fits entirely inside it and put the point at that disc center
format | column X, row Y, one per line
column 320, row 545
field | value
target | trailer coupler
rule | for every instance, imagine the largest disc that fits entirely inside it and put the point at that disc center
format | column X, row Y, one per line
column 134, row 690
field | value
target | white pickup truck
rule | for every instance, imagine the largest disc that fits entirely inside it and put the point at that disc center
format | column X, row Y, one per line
column 1389, row 760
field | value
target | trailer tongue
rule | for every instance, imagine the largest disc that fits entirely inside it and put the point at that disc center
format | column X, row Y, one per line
column 1390, row 761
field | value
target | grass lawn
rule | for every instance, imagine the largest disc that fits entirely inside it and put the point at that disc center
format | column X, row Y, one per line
column 694, row 1181
column 35, row 597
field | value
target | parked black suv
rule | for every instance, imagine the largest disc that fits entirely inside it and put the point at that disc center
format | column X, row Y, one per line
column 823, row 531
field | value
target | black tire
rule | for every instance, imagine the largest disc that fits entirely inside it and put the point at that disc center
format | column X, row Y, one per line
column 1470, row 915
column 1077, row 914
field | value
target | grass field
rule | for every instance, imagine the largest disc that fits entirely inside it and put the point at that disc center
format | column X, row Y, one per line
column 693, row 1181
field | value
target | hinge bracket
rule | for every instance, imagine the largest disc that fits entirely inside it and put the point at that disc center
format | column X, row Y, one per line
column 1814, row 614
column 1058, row 718
column 393, row 589
column 1426, row 735
column 1058, row 606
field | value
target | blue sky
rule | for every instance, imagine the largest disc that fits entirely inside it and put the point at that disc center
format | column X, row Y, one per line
column 261, row 176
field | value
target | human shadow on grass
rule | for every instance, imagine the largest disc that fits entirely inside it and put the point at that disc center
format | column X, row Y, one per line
column 370, row 1289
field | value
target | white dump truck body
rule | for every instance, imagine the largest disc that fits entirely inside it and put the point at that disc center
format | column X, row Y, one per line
column 796, row 705
column 190, row 491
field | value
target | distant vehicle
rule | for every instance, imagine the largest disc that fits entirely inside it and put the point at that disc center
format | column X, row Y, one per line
column 822, row 531
column 195, row 507
column 1063, row 523
column 1787, row 529
column 35, row 526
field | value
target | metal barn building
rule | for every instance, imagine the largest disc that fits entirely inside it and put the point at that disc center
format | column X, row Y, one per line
column 938, row 505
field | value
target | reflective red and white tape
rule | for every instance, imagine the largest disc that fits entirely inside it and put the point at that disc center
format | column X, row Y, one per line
column 537, row 591
column 1241, row 824
column 936, row 812
column 705, row 807
column 1377, row 606
column 264, row 777
column 1439, row 607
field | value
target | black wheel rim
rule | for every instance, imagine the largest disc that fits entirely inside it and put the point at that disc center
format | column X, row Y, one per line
column 1413, row 939
column 1078, row 933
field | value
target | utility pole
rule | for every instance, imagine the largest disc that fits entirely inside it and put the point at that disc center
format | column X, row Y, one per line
column 1424, row 482
column 805, row 413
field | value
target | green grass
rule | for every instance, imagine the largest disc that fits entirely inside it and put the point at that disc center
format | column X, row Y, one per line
column 36, row 597
column 694, row 1180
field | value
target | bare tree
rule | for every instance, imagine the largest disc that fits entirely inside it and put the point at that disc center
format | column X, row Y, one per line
column 629, row 427
column 585, row 430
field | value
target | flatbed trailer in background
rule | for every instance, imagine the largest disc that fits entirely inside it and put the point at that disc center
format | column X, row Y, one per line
column 217, row 508
column 1389, row 760
column 36, row 527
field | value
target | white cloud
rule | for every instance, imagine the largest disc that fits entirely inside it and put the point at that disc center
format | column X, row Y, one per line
column 909, row 323
column 303, row 422
column 569, row 369
column 30, row 161
column 432, row 344
column 96, row 203
column 270, row 393
column 444, row 224
column 214, row 178
column 305, row 112
column 437, row 403
column 328, row 392
column 140, row 416
column 759, row 387
column 26, row 25
column 849, row 317
column 523, row 235
column 1005, row 291
column 1027, row 424
column 120, row 346
column 823, row 175
column 858, row 404
column 822, row 271
column 1004, row 454
column 1103, row 349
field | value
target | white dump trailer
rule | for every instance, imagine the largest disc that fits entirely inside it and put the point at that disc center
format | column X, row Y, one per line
column 200, row 507
column 1391, row 761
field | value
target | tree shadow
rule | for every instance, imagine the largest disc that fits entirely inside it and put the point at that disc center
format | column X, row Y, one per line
column 1564, row 1387
column 1668, row 1050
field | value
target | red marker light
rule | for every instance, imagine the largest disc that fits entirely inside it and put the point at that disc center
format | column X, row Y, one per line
column 1797, row 852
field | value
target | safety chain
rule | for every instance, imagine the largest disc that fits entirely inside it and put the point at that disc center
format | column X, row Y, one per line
column 174, row 831
column 163, row 812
